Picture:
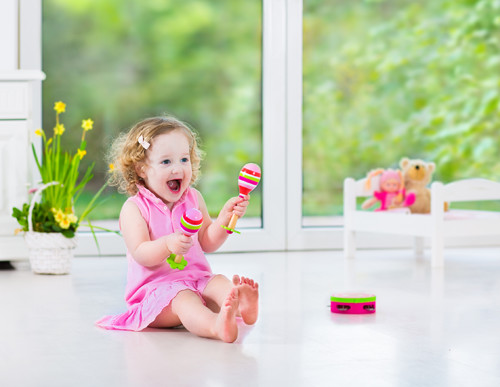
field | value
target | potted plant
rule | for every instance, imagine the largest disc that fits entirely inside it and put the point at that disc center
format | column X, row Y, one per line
column 48, row 219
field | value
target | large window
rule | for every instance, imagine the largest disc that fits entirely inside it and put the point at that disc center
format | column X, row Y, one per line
column 387, row 79
column 121, row 61
column 211, row 64
column 314, row 90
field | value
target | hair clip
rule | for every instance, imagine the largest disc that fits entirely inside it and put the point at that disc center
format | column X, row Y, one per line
column 143, row 142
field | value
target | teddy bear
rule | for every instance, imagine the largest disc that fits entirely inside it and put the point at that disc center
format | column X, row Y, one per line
column 417, row 175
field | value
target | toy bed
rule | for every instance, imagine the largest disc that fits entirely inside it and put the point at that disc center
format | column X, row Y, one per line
column 437, row 225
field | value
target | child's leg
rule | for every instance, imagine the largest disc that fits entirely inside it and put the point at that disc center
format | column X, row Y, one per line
column 188, row 309
column 215, row 291
column 248, row 295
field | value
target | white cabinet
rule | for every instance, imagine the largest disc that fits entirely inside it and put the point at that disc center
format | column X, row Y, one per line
column 18, row 89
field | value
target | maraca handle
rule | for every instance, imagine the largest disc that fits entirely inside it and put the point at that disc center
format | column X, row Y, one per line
column 178, row 257
column 177, row 261
column 232, row 222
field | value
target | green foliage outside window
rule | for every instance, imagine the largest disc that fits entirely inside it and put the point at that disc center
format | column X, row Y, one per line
column 394, row 78
column 382, row 79
column 120, row 61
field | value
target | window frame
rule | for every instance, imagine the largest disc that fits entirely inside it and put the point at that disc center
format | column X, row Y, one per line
column 282, row 188
column 299, row 237
column 271, row 236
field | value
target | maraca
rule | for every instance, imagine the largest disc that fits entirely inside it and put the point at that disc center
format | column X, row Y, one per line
column 247, row 181
column 191, row 222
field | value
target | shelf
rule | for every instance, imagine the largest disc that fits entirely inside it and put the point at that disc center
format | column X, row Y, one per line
column 21, row 75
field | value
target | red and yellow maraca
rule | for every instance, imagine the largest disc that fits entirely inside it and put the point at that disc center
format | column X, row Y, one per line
column 191, row 222
column 248, row 180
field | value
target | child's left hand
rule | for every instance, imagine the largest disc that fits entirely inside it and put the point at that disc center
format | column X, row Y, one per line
column 235, row 205
column 212, row 234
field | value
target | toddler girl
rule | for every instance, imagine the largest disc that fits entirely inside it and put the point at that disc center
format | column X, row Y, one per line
column 156, row 163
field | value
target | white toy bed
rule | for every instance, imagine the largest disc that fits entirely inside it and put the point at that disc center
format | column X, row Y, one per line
column 437, row 225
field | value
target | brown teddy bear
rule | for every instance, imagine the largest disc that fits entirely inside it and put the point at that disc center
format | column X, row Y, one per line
column 417, row 175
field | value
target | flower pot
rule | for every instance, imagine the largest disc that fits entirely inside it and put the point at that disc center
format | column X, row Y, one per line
column 50, row 253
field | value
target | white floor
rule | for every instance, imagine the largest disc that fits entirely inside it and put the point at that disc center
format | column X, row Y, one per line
column 431, row 328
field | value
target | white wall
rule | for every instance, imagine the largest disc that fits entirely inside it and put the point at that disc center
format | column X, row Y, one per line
column 9, row 21
column 30, row 34
column 20, row 35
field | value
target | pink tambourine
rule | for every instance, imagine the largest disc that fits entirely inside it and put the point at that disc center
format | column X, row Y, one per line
column 353, row 303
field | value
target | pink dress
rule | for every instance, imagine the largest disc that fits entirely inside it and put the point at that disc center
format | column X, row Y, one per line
column 150, row 289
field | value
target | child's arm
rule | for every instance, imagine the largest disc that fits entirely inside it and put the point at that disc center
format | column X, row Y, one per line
column 211, row 235
column 145, row 251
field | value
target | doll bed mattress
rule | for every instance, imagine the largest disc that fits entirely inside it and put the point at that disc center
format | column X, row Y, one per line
column 454, row 214
column 454, row 222
column 470, row 214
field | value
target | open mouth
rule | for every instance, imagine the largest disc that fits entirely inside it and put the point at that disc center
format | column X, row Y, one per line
column 174, row 185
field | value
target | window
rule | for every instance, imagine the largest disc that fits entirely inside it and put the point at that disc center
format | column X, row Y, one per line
column 198, row 60
column 314, row 90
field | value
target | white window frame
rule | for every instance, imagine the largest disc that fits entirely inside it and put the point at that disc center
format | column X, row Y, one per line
column 282, row 138
column 271, row 236
column 299, row 237
column 282, row 188
column 314, row 238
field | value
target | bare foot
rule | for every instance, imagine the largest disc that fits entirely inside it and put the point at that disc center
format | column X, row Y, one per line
column 248, row 292
column 225, row 326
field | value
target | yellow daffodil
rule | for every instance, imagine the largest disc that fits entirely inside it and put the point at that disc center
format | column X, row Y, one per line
column 62, row 219
column 81, row 153
column 59, row 129
column 87, row 124
column 60, row 168
column 60, row 107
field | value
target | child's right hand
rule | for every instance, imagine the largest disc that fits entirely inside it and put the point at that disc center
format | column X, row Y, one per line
column 178, row 243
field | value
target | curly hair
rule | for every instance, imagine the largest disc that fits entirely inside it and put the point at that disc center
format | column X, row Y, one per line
column 126, row 153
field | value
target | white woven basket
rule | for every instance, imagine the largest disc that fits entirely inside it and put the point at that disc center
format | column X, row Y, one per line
column 49, row 253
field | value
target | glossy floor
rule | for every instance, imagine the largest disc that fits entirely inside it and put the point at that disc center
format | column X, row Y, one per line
column 431, row 328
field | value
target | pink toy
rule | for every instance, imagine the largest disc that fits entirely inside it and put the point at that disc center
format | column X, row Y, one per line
column 392, row 192
column 191, row 222
column 248, row 179
column 353, row 303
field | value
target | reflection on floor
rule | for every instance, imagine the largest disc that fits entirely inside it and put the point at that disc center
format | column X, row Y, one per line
column 431, row 328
